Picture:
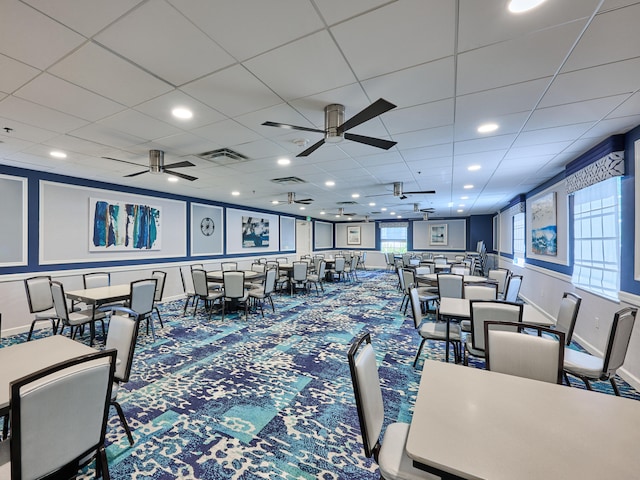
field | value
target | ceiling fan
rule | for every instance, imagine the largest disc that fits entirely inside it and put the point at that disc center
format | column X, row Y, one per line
column 157, row 166
column 400, row 193
column 341, row 213
column 417, row 209
column 335, row 128
column 291, row 198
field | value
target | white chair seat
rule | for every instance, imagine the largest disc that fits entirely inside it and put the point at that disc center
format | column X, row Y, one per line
column 581, row 363
column 393, row 460
column 84, row 316
column 465, row 325
column 47, row 314
column 473, row 351
column 438, row 331
column 5, row 460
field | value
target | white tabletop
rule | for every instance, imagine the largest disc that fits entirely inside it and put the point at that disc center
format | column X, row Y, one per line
column 459, row 308
column 216, row 275
column 485, row 425
column 25, row 358
column 433, row 278
column 99, row 295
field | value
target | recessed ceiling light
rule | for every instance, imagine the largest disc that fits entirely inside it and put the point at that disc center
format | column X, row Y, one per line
column 467, row 187
column 464, row 198
column 284, row 161
column 460, row 210
column 302, row 208
column 235, row 193
column 348, row 218
column 519, row 6
column 392, row 213
column 275, row 202
column 487, row 128
column 172, row 179
column 355, row 195
column 58, row 154
column 323, row 212
column 329, row 183
column 383, row 209
column 182, row 113
column 372, row 204
column 461, row 205
column 338, row 216
column 399, row 216
column 473, row 168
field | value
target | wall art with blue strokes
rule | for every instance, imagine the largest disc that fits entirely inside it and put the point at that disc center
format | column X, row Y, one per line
column 123, row 226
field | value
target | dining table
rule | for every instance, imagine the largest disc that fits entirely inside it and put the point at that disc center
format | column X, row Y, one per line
column 432, row 279
column 22, row 359
column 249, row 276
column 470, row 423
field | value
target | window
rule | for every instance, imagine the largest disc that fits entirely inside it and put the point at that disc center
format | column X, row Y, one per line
column 518, row 239
column 596, row 246
column 393, row 239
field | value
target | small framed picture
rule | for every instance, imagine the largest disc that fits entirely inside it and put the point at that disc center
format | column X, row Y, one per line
column 438, row 234
column 353, row 235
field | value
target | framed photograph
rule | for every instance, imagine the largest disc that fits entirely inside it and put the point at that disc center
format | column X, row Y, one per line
column 438, row 234
column 353, row 235
column 544, row 230
column 255, row 232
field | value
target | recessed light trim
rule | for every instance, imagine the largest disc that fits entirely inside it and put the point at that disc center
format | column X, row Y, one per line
column 302, row 208
column 355, row 195
column 372, row 204
column 284, row 161
column 57, row 154
column 521, row 6
column 488, row 127
column 464, row 198
column 468, row 187
column 474, row 168
column 235, row 193
column 274, row 202
column 460, row 210
column 182, row 113
column 329, row 183
column 172, row 179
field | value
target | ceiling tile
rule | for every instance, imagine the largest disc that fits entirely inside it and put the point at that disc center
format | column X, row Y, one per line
column 226, row 133
column 14, row 74
column 38, row 116
column 140, row 125
column 162, row 106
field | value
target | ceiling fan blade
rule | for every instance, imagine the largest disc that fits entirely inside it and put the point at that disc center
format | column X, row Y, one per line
column 136, row 174
column 304, row 201
column 123, row 161
column 374, row 142
column 181, row 175
column 424, row 192
column 380, row 195
column 376, row 108
column 311, row 149
column 292, row 127
column 180, row 164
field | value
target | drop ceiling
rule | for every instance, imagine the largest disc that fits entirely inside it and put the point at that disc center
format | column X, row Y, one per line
column 99, row 79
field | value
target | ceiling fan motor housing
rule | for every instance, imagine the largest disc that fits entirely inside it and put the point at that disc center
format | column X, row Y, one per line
column 333, row 118
column 156, row 161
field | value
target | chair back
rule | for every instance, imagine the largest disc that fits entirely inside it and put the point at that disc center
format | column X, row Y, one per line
column 480, row 291
column 450, row 285
column 500, row 275
column 416, row 308
column 424, row 269
column 200, row 284
column 414, row 261
column 59, row 415
column 96, row 279
column 513, row 288
column 38, row 293
column 367, row 392
column 229, row 266
column 282, row 260
column 270, row 281
column 440, row 260
column 408, row 279
column 460, row 269
column 199, row 266
column 568, row 314
column 187, row 281
column 143, row 293
column 523, row 354
column 233, row 284
column 618, row 341
column 300, row 271
column 322, row 266
column 489, row 310
column 160, row 277
column 339, row 264
column 122, row 335
column 59, row 301
column 258, row 267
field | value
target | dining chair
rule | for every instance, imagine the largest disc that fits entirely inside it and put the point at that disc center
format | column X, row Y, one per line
column 477, row 291
column 203, row 292
column 523, row 353
column 40, row 302
column 450, row 285
column 318, row 277
column 428, row 295
column 260, row 293
column 122, row 335
column 234, row 291
column 161, row 278
column 591, row 368
column 73, row 319
column 187, row 288
column 96, row 279
column 141, row 301
column 59, row 418
column 337, row 272
column 299, row 277
column 229, row 266
column 512, row 290
column 460, row 269
column 568, row 314
column 500, row 275
column 429, row 330
column 389, row 453
column 485, row 311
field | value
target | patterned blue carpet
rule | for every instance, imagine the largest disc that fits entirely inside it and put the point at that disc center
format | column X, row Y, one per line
column 266, row 398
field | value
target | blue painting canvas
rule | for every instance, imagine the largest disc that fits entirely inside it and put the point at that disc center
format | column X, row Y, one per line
column 255, row 232
column 544, row 230
column 123, row 226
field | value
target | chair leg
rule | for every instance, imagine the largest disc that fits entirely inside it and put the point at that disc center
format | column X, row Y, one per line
column 586, row 383
column 123, row 421
column 102, row 466
column 415, row 360
column 566, row 378
column 615, row 387
column 159, row 317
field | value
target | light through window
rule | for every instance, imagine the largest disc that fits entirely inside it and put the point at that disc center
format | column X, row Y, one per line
column 518, row 239
column 393, row 239
column 596, row 247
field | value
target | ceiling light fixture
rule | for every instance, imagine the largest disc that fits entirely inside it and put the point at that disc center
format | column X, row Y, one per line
column 172, row 179
column 467, row 187
column 460, row 210
column 275, row 202
column 473, row 168
column 322, row 212
column 383, row 209
column 58, row 154
column 488, row 128
column 284, row 161
column 302, row 208
column 464, row 198
column 182, row 113
column 235, row 193
column 355, row 195
column 520, row 6
column 329, row 183
column 372, row 204
column 392, row 213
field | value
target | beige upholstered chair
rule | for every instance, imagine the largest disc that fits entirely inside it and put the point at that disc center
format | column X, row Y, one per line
column 142, row 300
column 161, row 278
column 59, row 418
column 234, row 291
column 261, row 293
column 500, row 275
column 73, row 320
column 523, row 354
column 229, row 266
column 299, row 276
column 568, row 314
column 512, row 290
column 477, row 291
column 593, row 368
column 390, row 453
column 202, row 291
column 187, row 288
column 40, row 302
column 318, row 277
column 450, row 285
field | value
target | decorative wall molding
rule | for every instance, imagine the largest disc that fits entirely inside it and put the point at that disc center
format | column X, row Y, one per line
column 611, row 165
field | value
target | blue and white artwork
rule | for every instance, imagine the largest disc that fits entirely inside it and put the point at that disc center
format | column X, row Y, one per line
column 123, row 226
column 544, row 230
column 255, row 232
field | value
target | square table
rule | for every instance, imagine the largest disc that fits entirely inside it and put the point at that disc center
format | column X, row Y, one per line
column 476, row 424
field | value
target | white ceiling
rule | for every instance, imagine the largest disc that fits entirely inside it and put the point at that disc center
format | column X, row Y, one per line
column 99, row 79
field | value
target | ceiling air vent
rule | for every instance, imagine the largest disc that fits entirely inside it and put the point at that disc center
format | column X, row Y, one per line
column 223, row 156
column 288, row 180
